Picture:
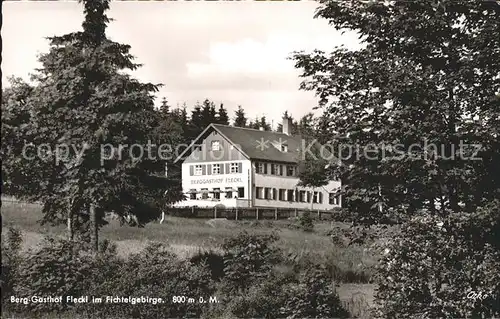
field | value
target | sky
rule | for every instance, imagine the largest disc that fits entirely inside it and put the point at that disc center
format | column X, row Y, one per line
column 233, row 53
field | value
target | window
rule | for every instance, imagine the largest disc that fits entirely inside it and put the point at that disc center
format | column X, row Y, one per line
column 229, row 192
column 290, row 170
column 302, row 196
column 198, row 170
column 280, row 170
column 192, row 194
column 281, row 194
column 259, row 168
column 284, row 148
column 318, row 198
column 215, row 169
column 241, row 192
column 204, row 193
column 234, row 168
column 275, row 194
column 217, row 193
column 258, row 192
column 268, row 193
column 273, row 169
column 309, row 196
column 334, row 199
column 215, row 145
column 290, row 195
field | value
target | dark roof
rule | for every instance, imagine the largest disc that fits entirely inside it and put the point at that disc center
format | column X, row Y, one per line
column 257, row 144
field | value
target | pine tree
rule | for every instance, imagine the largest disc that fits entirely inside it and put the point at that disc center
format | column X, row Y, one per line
column 240, row 119
column 264, row 124
column 83, row 100
column 222, row 117
column 164, row 107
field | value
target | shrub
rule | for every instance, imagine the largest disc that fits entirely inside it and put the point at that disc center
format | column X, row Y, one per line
column 306, row 222
column 57, row 269
column 249, row 258
column 431, row 269
column 262, row 300
column 11, row 260
column 314, row 296
column 214, row 262
column 157, row 273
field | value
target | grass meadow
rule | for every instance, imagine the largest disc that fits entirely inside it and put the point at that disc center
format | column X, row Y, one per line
column 187, row 237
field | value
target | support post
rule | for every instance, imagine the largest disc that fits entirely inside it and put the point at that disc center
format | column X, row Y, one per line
column 215, row 212
column 257, row 213
column 276, row 213
column 236, row 213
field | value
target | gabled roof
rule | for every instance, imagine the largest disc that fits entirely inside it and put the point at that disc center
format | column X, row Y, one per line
column 256, row 144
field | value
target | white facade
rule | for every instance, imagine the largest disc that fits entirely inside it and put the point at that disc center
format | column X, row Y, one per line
column 248, row 189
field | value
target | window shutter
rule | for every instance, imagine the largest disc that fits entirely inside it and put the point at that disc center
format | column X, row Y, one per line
column 227, row 168
column 265, row 168
column 209, row 169
column 320, row 197
column 203, row 170
column 281, row 170
column 222, row 168
column 240, row 167
column 308, row 197
column 191, row 170
column 274, row 193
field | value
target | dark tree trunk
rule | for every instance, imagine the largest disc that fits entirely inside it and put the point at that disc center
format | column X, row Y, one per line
column 71, row 231
column 94, row 231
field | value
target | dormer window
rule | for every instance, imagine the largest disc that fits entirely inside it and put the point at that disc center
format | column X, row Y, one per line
column 215, row 145
column 284, row 148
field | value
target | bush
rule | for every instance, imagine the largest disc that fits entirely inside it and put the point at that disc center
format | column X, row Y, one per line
column 262, row 300
column 436, row 266
column 59, row 268
column 306, row 222
column 313, row 297
column 11, row 260
column 249, row 258
column 213, row 261
column 157, row 273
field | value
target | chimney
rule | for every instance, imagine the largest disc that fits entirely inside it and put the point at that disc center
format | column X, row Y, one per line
column 261, row 128
column 287, row 125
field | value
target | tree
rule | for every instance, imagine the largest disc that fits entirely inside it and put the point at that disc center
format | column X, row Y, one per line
column 264, row 124
column 208, row 113
column 417, row 85
column 415, row 115
column 164, row 107
column 313, row 165
column 254, row 124
column 195, row 123
column 240, row 119
column 222, row 117
column 82, row 108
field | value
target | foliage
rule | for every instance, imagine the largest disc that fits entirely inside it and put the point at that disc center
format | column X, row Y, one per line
column 222, row 117
column 154, row 272
column 431, row 84
column 306, row 222
column 249, row 258
column 240, row 119
column 314, row 296
column 86, row 107
column 214, row 262
column 11, row 262
column 437, row 265
column 58, row 268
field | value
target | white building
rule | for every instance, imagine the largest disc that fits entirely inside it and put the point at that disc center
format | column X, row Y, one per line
column 242, row 167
